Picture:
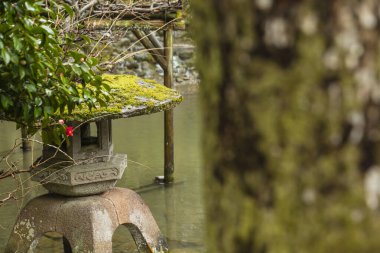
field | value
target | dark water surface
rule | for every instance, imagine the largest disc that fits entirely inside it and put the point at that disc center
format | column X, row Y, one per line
column 177, row 209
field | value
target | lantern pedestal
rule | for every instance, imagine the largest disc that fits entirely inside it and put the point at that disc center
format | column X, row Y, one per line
column 87, row 223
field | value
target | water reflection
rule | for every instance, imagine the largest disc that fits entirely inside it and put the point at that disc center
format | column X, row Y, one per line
column 8, row 135
column 177, row 209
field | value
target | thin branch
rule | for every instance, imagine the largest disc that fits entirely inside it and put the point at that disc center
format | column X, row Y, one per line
column 88, row 6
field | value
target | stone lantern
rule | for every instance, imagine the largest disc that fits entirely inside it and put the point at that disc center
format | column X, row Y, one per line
column 84, row 170
column 86, row 164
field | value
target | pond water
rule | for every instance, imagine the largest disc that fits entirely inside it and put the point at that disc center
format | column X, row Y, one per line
column 177, row 209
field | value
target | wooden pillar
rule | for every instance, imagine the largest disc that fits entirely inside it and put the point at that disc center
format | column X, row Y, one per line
column 168, row 115
column 26, row 144
column 165, row 59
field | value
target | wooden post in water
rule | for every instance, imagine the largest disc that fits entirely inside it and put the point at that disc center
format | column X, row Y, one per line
column 168, row 115
column 165, row 59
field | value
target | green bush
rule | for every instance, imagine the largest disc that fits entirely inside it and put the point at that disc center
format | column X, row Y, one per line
column 42, row 68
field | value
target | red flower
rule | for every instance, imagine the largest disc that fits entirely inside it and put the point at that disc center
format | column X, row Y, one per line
column 69, row 131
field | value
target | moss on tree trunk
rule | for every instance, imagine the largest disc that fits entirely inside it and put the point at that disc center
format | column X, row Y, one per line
column 289, row 95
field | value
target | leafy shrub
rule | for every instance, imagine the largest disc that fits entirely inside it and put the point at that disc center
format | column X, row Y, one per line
column 42, row 69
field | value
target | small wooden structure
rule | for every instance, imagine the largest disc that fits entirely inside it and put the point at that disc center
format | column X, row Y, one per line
column 143, row 17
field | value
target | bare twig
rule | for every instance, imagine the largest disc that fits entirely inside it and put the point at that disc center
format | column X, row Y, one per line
column 88, row 6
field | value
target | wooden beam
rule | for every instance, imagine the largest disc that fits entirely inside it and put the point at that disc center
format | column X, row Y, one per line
column 168, row 115
column 153, row 39
column 99, row 24
column 152, row 50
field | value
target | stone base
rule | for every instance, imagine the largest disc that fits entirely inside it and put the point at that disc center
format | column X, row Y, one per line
column 87, row 223
column 80, row 180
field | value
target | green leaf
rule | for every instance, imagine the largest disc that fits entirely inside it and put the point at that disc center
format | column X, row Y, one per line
column 64, row 80
column 31, row 88
column 86, row 77
column 37, row 112
column 85, row 67
column 5, row 55
column 29, row 7
column 48, row 92
column 14, row 58
column 86, row 94
column 106, row 87
column 43, row 20
column 68, row 9
column 86, row 38
column 21, row 72
column 28, row 23
column 17, row 44
column 5, row 101
column 47, row 29
column 102, row 103
column 48, row 64
column 92, row 61
column 38, row 101
column 77, row 56
column 77, row 69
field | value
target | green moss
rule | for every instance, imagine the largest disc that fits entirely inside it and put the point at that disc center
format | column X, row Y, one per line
column 131, row 96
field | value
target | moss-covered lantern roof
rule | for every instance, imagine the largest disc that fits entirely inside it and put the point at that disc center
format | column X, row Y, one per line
column 131, row 96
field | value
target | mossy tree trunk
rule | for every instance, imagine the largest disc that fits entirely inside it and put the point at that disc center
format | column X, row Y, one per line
column 290, row 93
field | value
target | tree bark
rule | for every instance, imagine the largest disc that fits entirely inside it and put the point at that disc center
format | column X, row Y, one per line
column 290, row 95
